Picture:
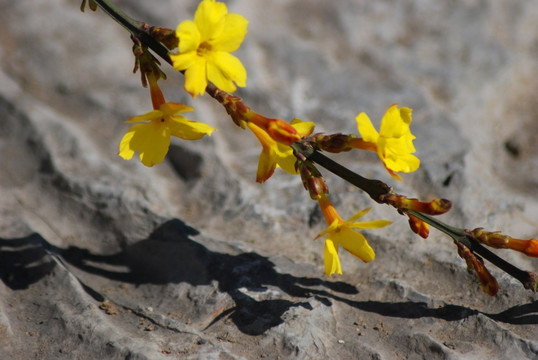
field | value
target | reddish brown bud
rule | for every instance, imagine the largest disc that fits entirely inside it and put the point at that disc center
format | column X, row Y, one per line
column 91, row 3
column 165, row 36
column 312, row 180
column 487, row 281
column 146, row 62
column 334, row 143
column 435, row 207
column 235, row 107
column 359, row 143
column 419, row 227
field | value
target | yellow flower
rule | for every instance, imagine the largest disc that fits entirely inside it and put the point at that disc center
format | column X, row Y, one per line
column 152, row 138
column 275, row 154
column 394, row 143
column 205, row 45
column 341, row 232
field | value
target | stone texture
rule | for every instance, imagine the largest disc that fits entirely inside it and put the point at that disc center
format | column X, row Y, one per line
column 103, row 258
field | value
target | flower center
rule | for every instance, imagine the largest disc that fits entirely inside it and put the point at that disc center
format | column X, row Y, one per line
column 203, row 49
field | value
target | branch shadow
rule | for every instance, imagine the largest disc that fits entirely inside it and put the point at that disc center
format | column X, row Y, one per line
column 169, row 255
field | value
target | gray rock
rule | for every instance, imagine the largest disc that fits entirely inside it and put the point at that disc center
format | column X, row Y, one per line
column 103, row 258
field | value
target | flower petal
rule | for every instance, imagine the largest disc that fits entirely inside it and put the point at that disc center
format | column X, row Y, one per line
column 188, row 129
column 184, row 61
column 366, row 129
column 358, row 215
column 304, row 128
column 232, row 35
column 403, row 163
column 196, row 77
column 209, row 18
column 332, row 262
column 393, row 125
column 355, row 243
column 285, row 158
column 267, row 162
column 150, row 140
column 154, row 114
column 266, row 165
column 223, row 69
column 172, row 108
column 126, row 151
column 189, row 36
column 374, row 224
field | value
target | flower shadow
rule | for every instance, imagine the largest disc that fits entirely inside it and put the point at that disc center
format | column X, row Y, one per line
column 169, row 255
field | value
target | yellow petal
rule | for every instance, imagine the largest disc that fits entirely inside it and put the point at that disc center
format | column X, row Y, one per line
column 403, row 163
column 374, row 224
column 334, row 226
column 267, row 162
column 209, row 18
column 358, row 215
column 150, row 140
column 188, row 129
column 405, row 113
column 126, row 151
column 355, row 243
column 224, row 69
column 154, row 114
column 266, row 165
column 304, row 128
column 172, row 108
column 262, row 135
column 285, row 158
column 184, row 61
column 196, row 77
column 189, row 36
column 393, row 125
column 332, row 262
column 232, row 35
column 366, row 129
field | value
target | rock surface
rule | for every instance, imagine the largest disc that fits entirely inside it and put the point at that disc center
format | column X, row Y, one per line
column 106, row 259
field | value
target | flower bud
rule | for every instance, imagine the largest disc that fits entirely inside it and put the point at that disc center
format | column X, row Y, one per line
column 419, row 227
column 400, row 202
column 334, row 143
column 500, row 241
column 488, row 283
column 312, row 180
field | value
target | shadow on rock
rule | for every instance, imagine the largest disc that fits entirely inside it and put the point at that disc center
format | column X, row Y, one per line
column 169, row 255
column 23, row 261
